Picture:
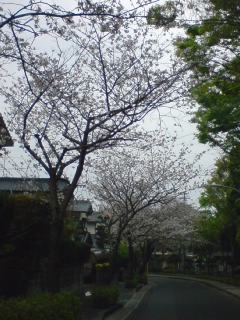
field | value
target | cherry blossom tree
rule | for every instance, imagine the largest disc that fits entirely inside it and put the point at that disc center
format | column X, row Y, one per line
column 86, row 95
column 156, row 227
column 141, row 234
column 25, row 22
column 132, row 181
column 178, row 219
column 23, row 14
column 179, row 230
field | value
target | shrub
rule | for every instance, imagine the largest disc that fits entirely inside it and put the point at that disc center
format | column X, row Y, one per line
column 25, row 217
column 44, row 306
column 89, row 278
column 123, row 255
column 105, row 296
column 171, row 268
column 131, row 283
column 103, row 266
column 103, row 273
column 142, row 278
column 74, row 253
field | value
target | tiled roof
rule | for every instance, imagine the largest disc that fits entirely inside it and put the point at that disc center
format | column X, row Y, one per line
column 94, row 218
column 29, row 184
column 5, row 138
column 81, row 206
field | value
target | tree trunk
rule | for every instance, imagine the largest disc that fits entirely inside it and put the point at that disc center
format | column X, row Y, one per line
column 114, row 259
column 55, row 241
column 131, row 258
column 147, row 253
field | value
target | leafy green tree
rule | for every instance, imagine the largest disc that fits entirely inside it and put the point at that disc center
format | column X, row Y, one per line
column 24, row 236
column 220, row 226
column 21, row 217
column 123, row 254
column 211, row 50
column 163, row 15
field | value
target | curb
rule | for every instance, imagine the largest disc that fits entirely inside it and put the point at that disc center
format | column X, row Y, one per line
column 123, row 311
column 113, row 309
column 211, row 283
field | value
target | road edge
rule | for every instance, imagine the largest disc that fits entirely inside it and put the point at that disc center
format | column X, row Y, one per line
column 123, row 312
column 224, row 287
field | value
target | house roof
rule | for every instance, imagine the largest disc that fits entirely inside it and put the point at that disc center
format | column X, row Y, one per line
column 29, row 184
column 5, row 138
column 81, row 206
column 94, row 218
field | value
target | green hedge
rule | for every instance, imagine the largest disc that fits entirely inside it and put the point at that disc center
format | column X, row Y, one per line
column 143, row 278
column 24, row 230
column 131, row 283
column 105, row 296
column 44, row 306
column 103, row 273
column 74, row 253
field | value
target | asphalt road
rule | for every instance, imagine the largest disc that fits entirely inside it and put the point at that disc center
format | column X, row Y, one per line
column 173, row 299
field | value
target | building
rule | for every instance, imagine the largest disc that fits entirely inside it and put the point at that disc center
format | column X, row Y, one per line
column 89, row 225
column 80, row 210
column 93, row 222
column 29, row 185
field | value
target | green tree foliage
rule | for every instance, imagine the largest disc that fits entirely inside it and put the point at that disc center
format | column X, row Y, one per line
column 23, row 240
column 74, row 253
column 163, row 15
column 123, row 254
column 43, row 306
column 220, row 225
column 105, row 296
column 23, row 223
column 211, row 49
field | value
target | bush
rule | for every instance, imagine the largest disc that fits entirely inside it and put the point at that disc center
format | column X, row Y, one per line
column 27, row 218
column 103, row 273
column 74, row 253
column 123, row 255
column 103, row 266
column 89, row 278
column 171, row 268
column 105, row 296
column 44, row 306
column 142, row 278
column 131, row 283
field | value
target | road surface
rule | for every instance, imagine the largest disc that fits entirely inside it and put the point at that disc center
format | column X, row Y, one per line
column 175, row 299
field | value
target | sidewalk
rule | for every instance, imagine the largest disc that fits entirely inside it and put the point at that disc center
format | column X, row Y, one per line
column 129, row 305
column 127, row 300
